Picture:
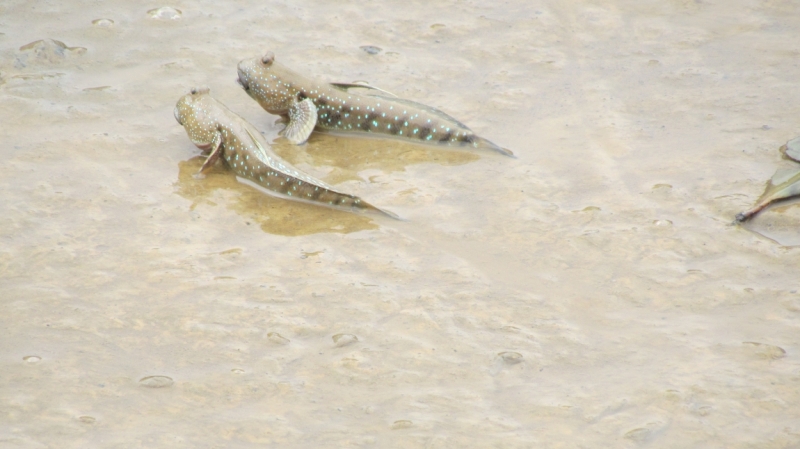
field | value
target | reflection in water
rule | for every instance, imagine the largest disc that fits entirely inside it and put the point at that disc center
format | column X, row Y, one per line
column 342, row 157
column 780, row 224
column 782, row 191
column 275, row 215
column 784, row 184
column 348, row 155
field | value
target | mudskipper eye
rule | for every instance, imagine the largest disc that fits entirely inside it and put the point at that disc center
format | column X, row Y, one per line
column 268, row 58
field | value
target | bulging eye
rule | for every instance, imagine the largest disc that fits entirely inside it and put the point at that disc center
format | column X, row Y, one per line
column 268, row 58
column 200, row 90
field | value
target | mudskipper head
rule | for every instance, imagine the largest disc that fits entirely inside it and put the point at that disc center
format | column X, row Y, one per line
column 186, row 104
column 193, row 113
column 267, row 83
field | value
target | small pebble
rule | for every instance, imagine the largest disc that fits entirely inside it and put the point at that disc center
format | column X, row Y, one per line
column 341, row 340
column 103, row 23
column 277, row 338
column 165, row 13
column 371, row 49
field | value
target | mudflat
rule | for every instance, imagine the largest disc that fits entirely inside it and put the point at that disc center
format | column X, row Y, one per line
column 591, row 293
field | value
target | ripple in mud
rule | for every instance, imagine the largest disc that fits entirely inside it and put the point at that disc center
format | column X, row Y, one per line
column 46, row 51
column 644, row 433
column 156, row 381
column 639, row 434
column 401, row 424
column 341, row 340
column 164, row 13
column 504, row 361
column 274, row 215
column 87, row 419
column 765, row 351
column 510, row 357
column 661, row 188
column 32, row 358
column 277, row 338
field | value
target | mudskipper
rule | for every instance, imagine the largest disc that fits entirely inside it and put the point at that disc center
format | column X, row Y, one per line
column 222, row 134
column 308, row 104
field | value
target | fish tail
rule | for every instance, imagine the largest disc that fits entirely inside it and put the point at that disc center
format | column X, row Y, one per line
column 743, row 216
column 485, row 144
column 746, row 215
column 307, row 192
column 364, row 207
column 385, row 212
column 346, row 201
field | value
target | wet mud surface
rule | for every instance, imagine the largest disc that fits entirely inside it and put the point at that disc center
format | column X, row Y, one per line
column 591, row 293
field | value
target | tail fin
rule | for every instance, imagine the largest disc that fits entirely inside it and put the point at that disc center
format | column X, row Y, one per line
column 380, row 211
column 489, row 145
column 748, row 214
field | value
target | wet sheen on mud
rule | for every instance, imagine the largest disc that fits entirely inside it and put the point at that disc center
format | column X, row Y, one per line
column 274, row 215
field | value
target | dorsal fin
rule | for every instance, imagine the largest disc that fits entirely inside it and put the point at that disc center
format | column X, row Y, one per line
column 269, row 157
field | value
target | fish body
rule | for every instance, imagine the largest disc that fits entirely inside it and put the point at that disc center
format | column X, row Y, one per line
column 216, row 130
column 282, row 91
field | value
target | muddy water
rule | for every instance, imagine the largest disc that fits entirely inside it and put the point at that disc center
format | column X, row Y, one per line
column 591, row 293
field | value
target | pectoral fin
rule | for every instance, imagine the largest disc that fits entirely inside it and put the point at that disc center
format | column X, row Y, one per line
column 216, row 151
column 302, row 120
column 360, row 84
